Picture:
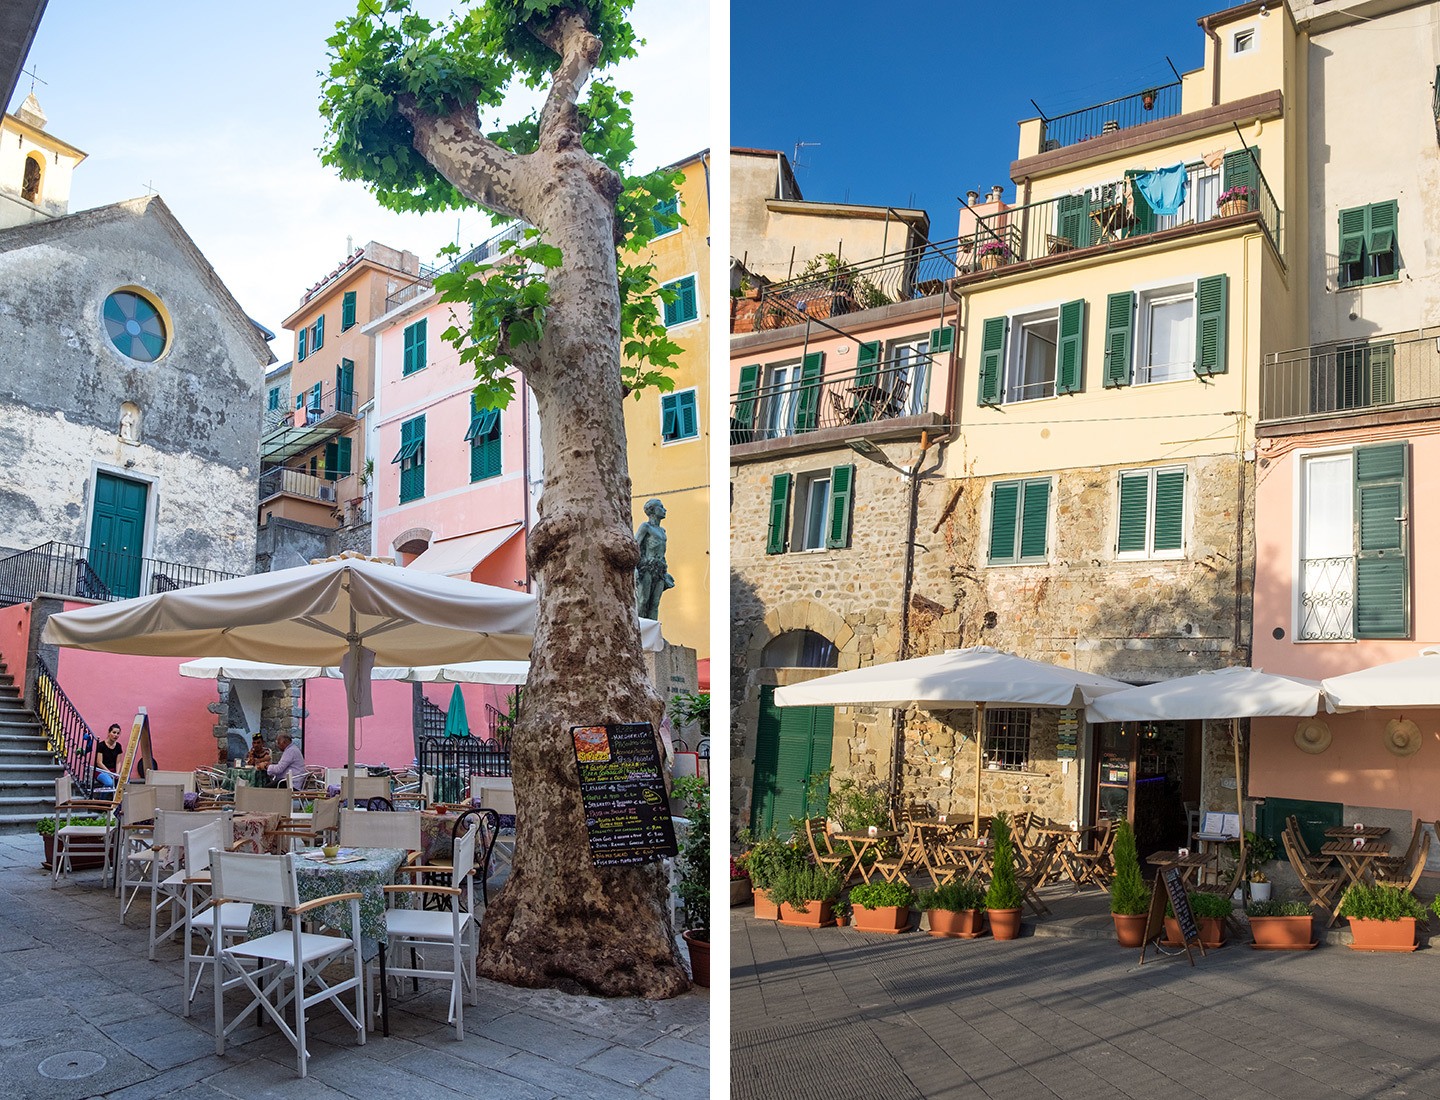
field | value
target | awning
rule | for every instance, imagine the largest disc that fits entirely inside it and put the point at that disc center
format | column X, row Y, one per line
column 458, row 556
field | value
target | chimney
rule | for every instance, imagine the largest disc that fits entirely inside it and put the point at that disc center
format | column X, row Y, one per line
column 972, row 197
column 996, row 192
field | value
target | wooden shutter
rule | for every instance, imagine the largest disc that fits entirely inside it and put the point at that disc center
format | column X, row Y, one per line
column 1169, row 509
column 316, row 396
column 1072, row 219
column 1240, row 170
column 411, row 360
column 867, row 363
column 485, row 448
column 1004, row 508
column 689, row 419
column 1142, row 212
column 300, row 346
column 1034, row 518
column 343, row 456
column 1134, row 512
column 1352, row 236
column 345, row 386
column 942, row 339
column 1382, row 571
column 1380, row 232
column 742, row 420
column 319, row 333
column 807, row 409
column 779, row 514
column 1070, row 353
column 1119, row 325
column 669, row 418
column 1381, row 368
column 842, row 480
column 421, row 358
column 332, row 460
column 347, row 310
column 1212, row 295
column 992, row 359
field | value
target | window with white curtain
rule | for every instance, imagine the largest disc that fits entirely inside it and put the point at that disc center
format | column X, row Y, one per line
column 1167, row 336
column 1327, row 548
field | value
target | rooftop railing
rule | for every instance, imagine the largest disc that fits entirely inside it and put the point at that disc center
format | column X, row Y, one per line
column 1344, row 377
column 1125, row 113
column 93, row 573
column 790, row 404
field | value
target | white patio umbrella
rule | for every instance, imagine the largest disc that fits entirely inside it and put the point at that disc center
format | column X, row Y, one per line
column 1413, row 682
column 976, row 677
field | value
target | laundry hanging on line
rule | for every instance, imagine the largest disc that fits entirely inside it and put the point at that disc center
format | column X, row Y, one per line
column 1164, row 189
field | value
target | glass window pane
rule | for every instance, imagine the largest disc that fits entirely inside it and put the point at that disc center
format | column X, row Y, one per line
column 1171, row 350
column 817, row 501
column 1329, row 502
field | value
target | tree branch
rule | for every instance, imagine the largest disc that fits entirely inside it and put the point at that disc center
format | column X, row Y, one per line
column 458, row 149
column 568, row 35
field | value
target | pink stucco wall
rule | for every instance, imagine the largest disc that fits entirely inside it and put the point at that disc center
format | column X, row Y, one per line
column 15, row 640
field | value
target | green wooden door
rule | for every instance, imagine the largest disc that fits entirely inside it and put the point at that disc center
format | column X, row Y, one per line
column 117, row 533
column 792, row 744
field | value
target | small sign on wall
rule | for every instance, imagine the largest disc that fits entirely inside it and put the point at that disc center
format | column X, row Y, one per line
column 1068, row 730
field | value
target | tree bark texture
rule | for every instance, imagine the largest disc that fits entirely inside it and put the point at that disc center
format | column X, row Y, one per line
column 560, row 921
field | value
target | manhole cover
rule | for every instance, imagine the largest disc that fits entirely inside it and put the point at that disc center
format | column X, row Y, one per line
column 71, row 1065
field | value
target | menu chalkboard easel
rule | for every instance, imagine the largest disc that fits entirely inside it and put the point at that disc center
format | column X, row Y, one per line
column 627, row 810
column 1174, row 891
column 139, row 738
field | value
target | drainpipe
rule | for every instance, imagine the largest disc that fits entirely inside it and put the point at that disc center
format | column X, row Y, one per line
column 1215, row 71
column 897, row 754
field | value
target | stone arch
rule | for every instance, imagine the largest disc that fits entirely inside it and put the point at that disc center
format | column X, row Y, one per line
column 413, row 540
column 804, row 614
column 34, row 173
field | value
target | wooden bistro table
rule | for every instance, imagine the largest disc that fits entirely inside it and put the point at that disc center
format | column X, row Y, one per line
column 1067, row 840
column 1190, row 866
column 928, row 836
column 1358, row 863
column 972, row 854
column 859, row 843
column 1368, row 832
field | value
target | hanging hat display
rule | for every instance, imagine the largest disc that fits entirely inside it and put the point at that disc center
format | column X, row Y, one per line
column 1312, row 735
column 1402, row 737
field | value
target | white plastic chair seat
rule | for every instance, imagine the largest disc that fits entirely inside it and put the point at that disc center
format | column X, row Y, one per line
column 91, row 831
column 280, row 946
column 426, row 924
column 237, row 917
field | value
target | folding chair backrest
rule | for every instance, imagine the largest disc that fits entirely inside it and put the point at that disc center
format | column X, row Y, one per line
column 138, row 804
column 499, row 799
column 263, row 800
column 260, row 879
column 168, row 796
column 364, row 829
column 1298, row 861
column 200, row 842
column 462, row 858
column 170, row 827
column 225, row 818
column 815, row 825
column 184, row 780
column 63, row 790
column 326, row 814
column 366, row 786
column 333, row 776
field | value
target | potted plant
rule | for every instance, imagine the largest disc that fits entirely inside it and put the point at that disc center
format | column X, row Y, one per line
column 1382, row 918
column 1004, row 897
column 992, row 254
column 1259, row 850
column 806, row 895
column 956, row 908
column 1129, row 896
column 764, row 861
column 1211, row 911
column 740, row 890
column 1234, row 200
column 882, row 906
column 694, row 868
column 1280, row 925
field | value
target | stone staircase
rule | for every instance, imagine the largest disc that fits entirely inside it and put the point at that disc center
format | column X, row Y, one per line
column 27, row 768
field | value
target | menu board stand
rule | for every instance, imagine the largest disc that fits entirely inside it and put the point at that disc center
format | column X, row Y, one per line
column 1173, row 891
column 627, row 809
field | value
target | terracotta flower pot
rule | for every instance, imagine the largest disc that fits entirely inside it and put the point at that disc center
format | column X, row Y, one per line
column 1130, row 930
column 816, row 914
column 699, row 958
column 965, row 924
column 1233, row 207
column 1212, row 931
column 989, row 261
column 765, row 909
column 1005, row 923
column 1383, row 935
column 1292, row 933
column 882, row 918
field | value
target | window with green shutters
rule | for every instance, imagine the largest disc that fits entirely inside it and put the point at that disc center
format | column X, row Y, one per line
column 684, row 306
column 1212, row 297
column 483, row 436
column 1367, row 244
column 842, row 488
column 1382, row 570
column 992, row 359
column 820, row 519
column 347, row 310
column 1119, row 330
column 272, row 399
column 317, row 333
column 414, row 355
column 1019, row 521
column 775, row 539
column 678, row 417
column 301, row 339
column 1070, row 351
column 667, row 217
column 1151, row 513
column 337, row 458
column 1359, row 377
column 411, row 457
column 345, row 386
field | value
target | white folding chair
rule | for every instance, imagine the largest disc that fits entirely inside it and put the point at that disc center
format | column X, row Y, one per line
column 418, row 931
column 73, row 840
column 288, row 954
column 498, row 795
column 184, row 780
column 380, row 829
column 366, row 788
column 264, row 800
column 200, row 914
column 134, row 848
column 167, row 866
column 324, row 823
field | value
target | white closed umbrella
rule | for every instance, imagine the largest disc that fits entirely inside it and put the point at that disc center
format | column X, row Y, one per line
column 1413, row 682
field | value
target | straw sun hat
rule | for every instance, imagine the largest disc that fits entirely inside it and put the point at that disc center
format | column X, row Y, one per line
column 1312, row 736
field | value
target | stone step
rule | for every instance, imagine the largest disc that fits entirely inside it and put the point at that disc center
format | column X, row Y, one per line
column 19, row 724
column 33, row 773
column 27, row 805
column 10, row 785
column 25, row 758
column 13, row 824
column 10, row 738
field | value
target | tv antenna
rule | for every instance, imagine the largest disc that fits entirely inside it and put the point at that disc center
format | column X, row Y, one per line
column 795, row 160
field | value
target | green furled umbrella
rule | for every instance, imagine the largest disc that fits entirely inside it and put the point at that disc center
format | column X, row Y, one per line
column 457, row 724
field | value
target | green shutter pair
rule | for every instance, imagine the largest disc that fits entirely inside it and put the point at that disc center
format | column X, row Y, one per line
column 1069, row 353
column 1382, row 570
column 1143, row 529
column 337, row 458
column 1367, row 239
column 1212, row 294
column 684, row 306
column 347, row 311
column 677, row 416
column 345, row 386
column 414, row 355
column 1019, row 520
column 667, row 216
column 412, row 439
column 837, row 532
column 485, row 444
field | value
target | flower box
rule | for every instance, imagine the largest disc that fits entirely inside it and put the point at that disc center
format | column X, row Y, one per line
column 882, row 918
column 765, row 909
column 816, row 914
column 1383, row 935
column 1282, row 933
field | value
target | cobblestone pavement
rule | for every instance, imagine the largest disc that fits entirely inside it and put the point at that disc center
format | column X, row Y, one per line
column 85, row 1013
column 837, row 1013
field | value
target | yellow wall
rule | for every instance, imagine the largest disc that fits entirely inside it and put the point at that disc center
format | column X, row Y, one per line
column 678, row 473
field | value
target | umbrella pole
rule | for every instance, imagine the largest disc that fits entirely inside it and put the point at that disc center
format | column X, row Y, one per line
column 979, row 759
column 351, row 703
column 1240, row 807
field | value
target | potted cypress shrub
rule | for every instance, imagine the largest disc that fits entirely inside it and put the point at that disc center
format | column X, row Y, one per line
column 694, row 867
column 882, row 906
column 1382, row 918
column 806, row 895
column 1004, row 897
column 1129, row 896
column 1210, row 911
column 956, row 908
column 1280, row 925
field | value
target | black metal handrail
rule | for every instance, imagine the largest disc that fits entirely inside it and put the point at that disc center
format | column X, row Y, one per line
column 69, row 736
column 453, row 760
column 895, row 388
column 1127, row 112
column 66, row 569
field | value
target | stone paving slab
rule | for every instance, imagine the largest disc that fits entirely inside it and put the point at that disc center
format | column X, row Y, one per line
column 77, row 987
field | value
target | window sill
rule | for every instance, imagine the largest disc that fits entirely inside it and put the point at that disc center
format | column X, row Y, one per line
column 682, row 324
column 1379, row 280
column 682, row 439
column 1163, row 555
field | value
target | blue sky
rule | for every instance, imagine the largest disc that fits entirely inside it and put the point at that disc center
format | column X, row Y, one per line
column 914, row 102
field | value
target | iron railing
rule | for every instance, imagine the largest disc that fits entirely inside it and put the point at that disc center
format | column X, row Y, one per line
column 486, row 250
column 1127, row 112
column 1335, row 379
column 297, row 483
column 453, row 760
column 69, row 736
column 65, row 569
column 1327, row 599
column 788, row 404
column 313, row 407
column 500, row 724
column 271, row 419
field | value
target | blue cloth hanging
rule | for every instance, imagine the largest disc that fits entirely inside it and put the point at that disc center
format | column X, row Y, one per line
column 1164, row 189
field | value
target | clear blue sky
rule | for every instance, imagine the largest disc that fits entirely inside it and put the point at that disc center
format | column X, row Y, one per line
column 913, row 102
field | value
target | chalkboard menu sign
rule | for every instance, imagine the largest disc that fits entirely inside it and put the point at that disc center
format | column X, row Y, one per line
column 627, row 813
column 1180, row 902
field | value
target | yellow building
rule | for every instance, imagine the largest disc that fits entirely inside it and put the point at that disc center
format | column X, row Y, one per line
column 668, row 434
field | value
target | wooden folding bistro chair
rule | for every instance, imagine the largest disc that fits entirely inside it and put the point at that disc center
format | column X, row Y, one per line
column 1406, row 872
column 1041, row 859
column 821, row 850
column 1095, row 866
column 1319, row 885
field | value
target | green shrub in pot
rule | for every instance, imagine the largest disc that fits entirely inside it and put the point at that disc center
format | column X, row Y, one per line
column 956, row 896
column 1380, row 902
column 880, row 895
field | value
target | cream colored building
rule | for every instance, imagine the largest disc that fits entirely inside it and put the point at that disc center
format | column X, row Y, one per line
column 35, row 167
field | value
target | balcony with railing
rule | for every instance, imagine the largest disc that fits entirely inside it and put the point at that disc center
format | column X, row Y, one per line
column 321, row 415
column 486, row 250
column 93, row 573
column 283, row 481
column 1344, row 378
column 1112, row 116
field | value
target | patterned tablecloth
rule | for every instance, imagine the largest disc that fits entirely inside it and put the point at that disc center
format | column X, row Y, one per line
column 368, row 877
column 257, row 833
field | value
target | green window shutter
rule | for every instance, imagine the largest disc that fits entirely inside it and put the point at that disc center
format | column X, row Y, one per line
column 272, row 399
column 1212, row 295
column 1072, row 219
column 1381, row 366
column 1034, row 518
column 807, row 409
column 666, row 212
column 867, row 363
column 414, row 348
column 303, row 336
column 345, row 386
column 942, row 339
column 1380, row 233
column 684, row 307
column 669, row 418
column 342, row 457
column 421, row 359
column 743, row 418
column 1382, row 572
column 1143, row 214
column 1004, row 509
column 689, row 415
column 1070, row 354
column 485, row 446
column 316, row 396
column 1240, row 169
column 1119, row 325
column 332, row 460
column 347, row 311
column 992, row 359
column 779, row 513
column 1352, row 236
column 483, row 422
column 319, row 333
column 1134, row 512
column 1169, row 509
column 842, row 493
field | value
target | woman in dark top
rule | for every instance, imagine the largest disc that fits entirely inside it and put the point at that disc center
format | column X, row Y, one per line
column 107, row 758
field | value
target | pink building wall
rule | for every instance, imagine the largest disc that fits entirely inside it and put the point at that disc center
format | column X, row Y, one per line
column 15, row 640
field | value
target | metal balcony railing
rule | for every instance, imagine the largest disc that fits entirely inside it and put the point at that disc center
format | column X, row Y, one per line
column 1327, row 599
column 312, row 407
column 65, row 569
column 486, row 250
column 296, row 483
column 789, row 405
column 1336, row 379
column 1125, row 113
column 69, row 736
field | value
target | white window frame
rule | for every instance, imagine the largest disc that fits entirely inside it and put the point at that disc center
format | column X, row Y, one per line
column 788, row 401
column 679, row 209
column 676, row 395
column 916, row 352
column 1145, row 301
column 1149, row 553
column 1244, row 40
column 801, row 493
column 1298, row 516
column 1015, row 354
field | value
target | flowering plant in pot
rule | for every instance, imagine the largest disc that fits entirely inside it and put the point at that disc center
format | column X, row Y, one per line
column 739, row 883
column 1280, row 925
column 694, row 867
column 1382, row 918
column 992, row 254
column 1210, row 910
column 1234, row 200
column 882, row 906
column 806, row 895
column 1129, row 896
column 1004, row 897
column 955, row 908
